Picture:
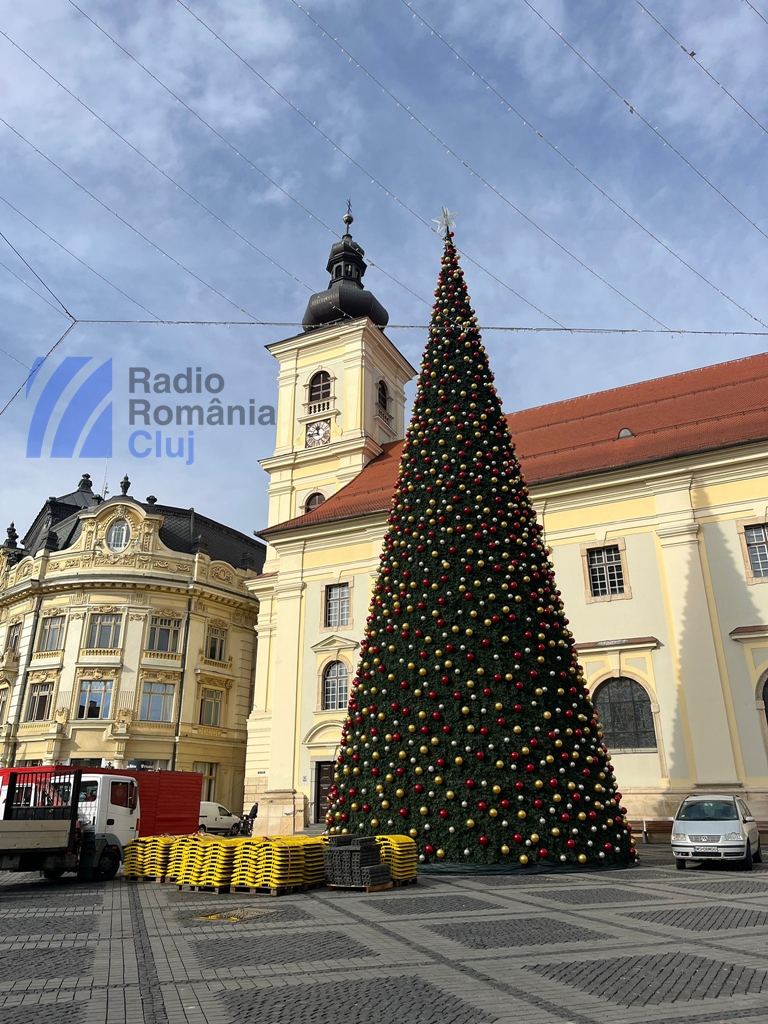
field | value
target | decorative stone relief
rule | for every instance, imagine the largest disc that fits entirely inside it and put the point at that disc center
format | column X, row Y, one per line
column 219, row 572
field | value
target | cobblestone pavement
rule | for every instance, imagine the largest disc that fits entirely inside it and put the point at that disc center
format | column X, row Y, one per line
column 649, row 945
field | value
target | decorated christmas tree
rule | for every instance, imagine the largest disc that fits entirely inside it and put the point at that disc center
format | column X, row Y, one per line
column 469, row 726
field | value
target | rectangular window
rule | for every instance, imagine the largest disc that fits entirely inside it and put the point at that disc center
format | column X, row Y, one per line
column 757, row 548
column 606, row 575
column 157, row 702
column 337, row 605
column 122, row 794
column 4, row 702
column 52, row 633
column 164, row 635
column 210, row 708
column 208, row 770
column 39, row 705
column 13, row 637
column 95, row 698
column 215, row 643
column 104, row 631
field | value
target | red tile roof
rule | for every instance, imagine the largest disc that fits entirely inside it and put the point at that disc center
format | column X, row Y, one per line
column 696, row 411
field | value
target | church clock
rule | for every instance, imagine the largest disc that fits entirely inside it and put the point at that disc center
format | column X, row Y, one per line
column 318, row 433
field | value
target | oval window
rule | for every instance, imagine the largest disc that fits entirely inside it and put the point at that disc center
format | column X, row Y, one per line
column 118, row 535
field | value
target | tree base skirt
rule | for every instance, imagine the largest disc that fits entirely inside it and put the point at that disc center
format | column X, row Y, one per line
column 456, row 868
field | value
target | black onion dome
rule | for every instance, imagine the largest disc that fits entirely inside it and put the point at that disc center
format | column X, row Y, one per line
column 345, row 298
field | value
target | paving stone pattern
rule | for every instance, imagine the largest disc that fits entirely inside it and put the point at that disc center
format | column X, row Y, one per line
column 646, row 946
column 663, row 978
column 536, row 931
column 281, row 948
column 705, row 919
column 395, row 1001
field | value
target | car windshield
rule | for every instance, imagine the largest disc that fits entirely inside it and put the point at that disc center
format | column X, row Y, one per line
column 708, row 810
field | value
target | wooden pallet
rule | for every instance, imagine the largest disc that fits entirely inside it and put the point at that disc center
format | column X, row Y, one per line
column 269, row 890
column 399, row 882
column 362, row 888
column 145, row 878
column 219, row 889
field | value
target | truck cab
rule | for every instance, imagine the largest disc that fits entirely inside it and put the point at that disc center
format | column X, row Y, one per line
column 60, row 819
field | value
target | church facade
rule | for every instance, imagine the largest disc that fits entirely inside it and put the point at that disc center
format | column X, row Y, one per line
column 654, row 502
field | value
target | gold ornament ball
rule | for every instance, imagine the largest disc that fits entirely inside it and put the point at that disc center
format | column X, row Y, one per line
column 523, row 858
column 423, row 810
column 521, row 815
column 374, row 822
column 470, row 823
column 496, row 789
column 413, row 832
column 493, row 812
column 440, row 854
column 400, row 792
column 505, row 850
column 582, row 858
column 385, row 805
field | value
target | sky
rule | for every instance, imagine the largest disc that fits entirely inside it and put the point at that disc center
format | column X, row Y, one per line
column 196, row 166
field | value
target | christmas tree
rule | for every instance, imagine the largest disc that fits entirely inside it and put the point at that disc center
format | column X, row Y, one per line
column 469, row 726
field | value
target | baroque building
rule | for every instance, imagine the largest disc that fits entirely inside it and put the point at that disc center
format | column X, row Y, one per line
column 127, row 638
column 654, row 501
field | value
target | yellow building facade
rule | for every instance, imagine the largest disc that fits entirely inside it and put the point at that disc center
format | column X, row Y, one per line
column 127, row 638
column 654, row 501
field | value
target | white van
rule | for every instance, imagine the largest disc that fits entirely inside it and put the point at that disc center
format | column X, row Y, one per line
column 216, row 819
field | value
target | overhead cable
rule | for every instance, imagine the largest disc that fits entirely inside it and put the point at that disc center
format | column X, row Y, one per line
column 74, row 257
column 633, row 110
column 373, row 179
column 36, row 292
column 692, row 55
column 127, row 223
column 558, row 151
column 223, row 139
column 464, row 163
column 53, row 347
column 33, row 271
column 758, row 13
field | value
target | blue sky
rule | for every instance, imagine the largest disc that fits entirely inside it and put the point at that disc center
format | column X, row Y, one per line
column 515, row 51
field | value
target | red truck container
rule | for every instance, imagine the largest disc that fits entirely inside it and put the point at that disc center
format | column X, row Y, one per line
column 169, row 802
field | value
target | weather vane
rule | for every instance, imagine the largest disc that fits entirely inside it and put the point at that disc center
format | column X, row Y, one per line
column 446, row 220
column 348, row 218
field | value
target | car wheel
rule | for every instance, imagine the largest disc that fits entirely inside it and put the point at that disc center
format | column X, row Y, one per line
column 746, row 864
column 680, row 864
column 757, row 856
column 107, row 868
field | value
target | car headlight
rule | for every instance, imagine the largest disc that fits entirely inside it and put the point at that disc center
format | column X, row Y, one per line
column 679, row 837
column 733, row 837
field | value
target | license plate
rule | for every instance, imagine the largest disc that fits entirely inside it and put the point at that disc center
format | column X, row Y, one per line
column 705, row 849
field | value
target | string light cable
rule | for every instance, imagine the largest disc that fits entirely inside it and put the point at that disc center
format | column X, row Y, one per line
column 127, row 223
column 691, row 54
column 82, row 262
column 444, row 145
column 52, row 349
column 33, row 271
column 758, row 13
column 355, row 163
column 32, row 289
column 563, row 156
column 222, row 138
column 633, row 110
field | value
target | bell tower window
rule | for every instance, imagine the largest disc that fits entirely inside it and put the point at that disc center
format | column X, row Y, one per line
column 320, row 387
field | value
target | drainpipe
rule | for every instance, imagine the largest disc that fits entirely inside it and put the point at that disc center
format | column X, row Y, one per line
column 24, row 676
column 184, row 650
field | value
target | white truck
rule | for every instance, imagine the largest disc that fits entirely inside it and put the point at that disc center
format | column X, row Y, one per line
column 66, row 819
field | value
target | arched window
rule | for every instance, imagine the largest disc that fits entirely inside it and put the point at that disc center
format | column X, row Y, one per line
column 625, row 713
column 314, row 501
column 382, row 395
column 338, row 270
column 320, row 387
column 118, row 535
column 335, row 686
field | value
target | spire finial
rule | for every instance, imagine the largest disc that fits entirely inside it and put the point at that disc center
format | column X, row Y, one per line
column 348, row 218
column 125, row 483
column 12, row 537
column 446, row 221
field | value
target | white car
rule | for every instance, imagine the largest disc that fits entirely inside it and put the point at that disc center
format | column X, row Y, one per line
column 216, row 819
column 715, row 826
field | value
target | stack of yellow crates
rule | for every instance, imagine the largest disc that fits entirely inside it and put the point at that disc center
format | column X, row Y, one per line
column 137, row 854
column 314, row 865
column 249, row 869
column 193, row 861
column 399, row 852
column 179, row 852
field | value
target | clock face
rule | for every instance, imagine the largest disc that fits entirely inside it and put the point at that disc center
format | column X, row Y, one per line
column 318, row 433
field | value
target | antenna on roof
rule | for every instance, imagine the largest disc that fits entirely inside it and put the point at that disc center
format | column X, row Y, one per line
column 105, row 485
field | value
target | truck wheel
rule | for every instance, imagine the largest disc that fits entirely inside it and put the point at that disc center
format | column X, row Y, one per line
column 106, row 869
column 53, row 874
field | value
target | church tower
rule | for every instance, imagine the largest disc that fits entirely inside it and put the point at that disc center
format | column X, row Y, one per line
column 341, row 389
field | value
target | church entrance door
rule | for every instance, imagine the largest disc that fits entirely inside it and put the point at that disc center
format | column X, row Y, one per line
column 323, row 782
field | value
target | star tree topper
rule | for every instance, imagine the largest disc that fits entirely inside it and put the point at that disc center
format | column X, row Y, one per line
column 446, row 221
